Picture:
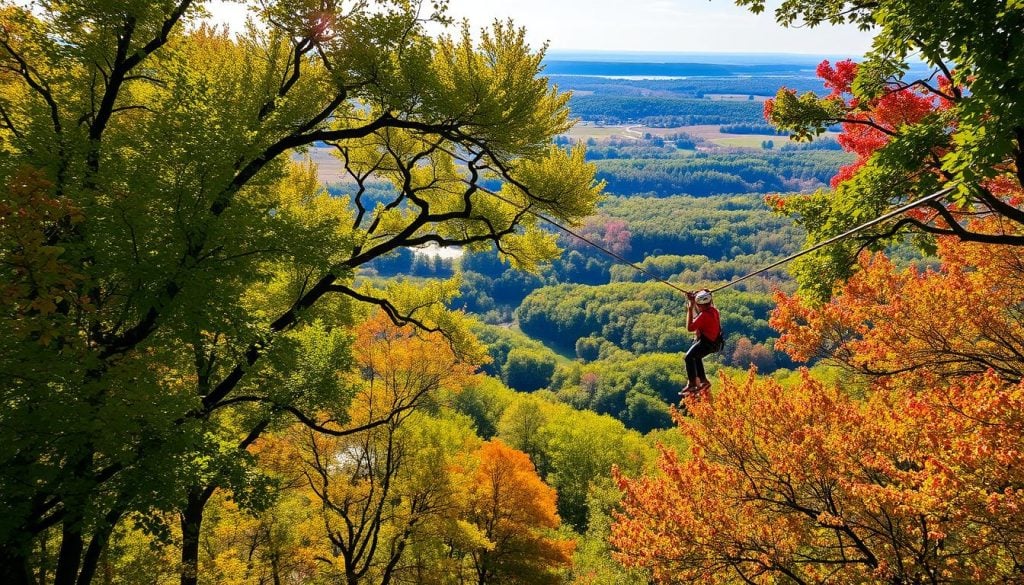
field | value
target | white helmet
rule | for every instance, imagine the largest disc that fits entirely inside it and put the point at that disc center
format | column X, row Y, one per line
column 703, row 297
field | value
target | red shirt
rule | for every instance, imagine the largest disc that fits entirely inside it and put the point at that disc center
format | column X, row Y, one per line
column 707, row 324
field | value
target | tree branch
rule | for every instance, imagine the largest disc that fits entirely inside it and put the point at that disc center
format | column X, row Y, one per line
column 389, row 309
column 123, row 64
column 8, row 123
column 307, row 137
column 38, row 85
column 868, row 122
column 301, row 48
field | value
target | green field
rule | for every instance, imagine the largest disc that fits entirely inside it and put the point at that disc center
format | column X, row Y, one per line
column 749, row 140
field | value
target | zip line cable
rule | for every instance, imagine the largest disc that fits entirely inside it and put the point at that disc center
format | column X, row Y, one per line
column 841, row 236
column 585, row 240
column 789, row 258
column 544, row 218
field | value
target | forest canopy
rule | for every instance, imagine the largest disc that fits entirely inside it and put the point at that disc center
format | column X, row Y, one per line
column 287, row 303
column 175, row 286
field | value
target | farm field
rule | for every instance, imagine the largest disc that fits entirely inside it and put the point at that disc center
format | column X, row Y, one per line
column 748, row 140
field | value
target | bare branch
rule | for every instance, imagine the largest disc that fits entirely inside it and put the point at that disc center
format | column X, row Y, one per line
column 8, row 123
column 389, row 309
column 868, row 122
column 39, row 85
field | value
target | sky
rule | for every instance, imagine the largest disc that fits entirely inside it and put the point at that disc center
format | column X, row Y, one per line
column 703, row 26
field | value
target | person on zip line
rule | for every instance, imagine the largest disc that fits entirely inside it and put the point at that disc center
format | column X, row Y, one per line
column 708, row 328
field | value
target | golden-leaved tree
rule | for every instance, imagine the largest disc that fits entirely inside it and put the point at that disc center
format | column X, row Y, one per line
column 374, row 503
column 174, row 285
column 515, row 511
column 417, row 499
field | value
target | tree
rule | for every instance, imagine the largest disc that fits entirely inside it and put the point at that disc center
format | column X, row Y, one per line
column 582, row 453
column 957, row 127
column 523, row 425
column 747, row 353
column 516, row 511
column 611, row 233
column 809, row 485
column 197, row 286
column 483, row 402
column 963, row 318
column 588, row 349
column 593, row 563
column 273, row 546
column 527, row 370
column 379, row 486
column 360, row 507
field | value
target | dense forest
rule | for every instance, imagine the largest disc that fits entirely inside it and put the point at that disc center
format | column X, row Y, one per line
column 716, row 174
column 690, row 87
column 664, row 111
column 450, row 351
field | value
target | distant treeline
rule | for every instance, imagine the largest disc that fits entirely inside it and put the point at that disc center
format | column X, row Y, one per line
column 750, row 129
column 665, row 111
column 696, row 87
column 649, row 146
column 826, row 143
column 635, row 69
column 710, row 174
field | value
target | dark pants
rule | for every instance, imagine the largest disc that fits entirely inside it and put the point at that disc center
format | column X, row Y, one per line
column 695, row 359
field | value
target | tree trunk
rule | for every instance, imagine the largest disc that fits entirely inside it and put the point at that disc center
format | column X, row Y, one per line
column 70, row 556
column 14, row 567
column 97, row 546
column 44, row 557
column 191, row 526
column 275, row 569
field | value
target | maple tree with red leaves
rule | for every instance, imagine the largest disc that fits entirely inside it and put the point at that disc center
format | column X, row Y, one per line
column 929, row 110
column 904, row 136
column 865, row 131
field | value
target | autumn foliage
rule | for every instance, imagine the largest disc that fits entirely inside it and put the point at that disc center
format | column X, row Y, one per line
column 516, row 512
column 938, row 136
column 36, row 278
column 396, row 494
column 809, row 485
column 871, row 125
column 963, row 318
column 909, row 471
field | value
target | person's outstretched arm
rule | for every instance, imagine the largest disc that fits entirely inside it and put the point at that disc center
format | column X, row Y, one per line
column 690, row 320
